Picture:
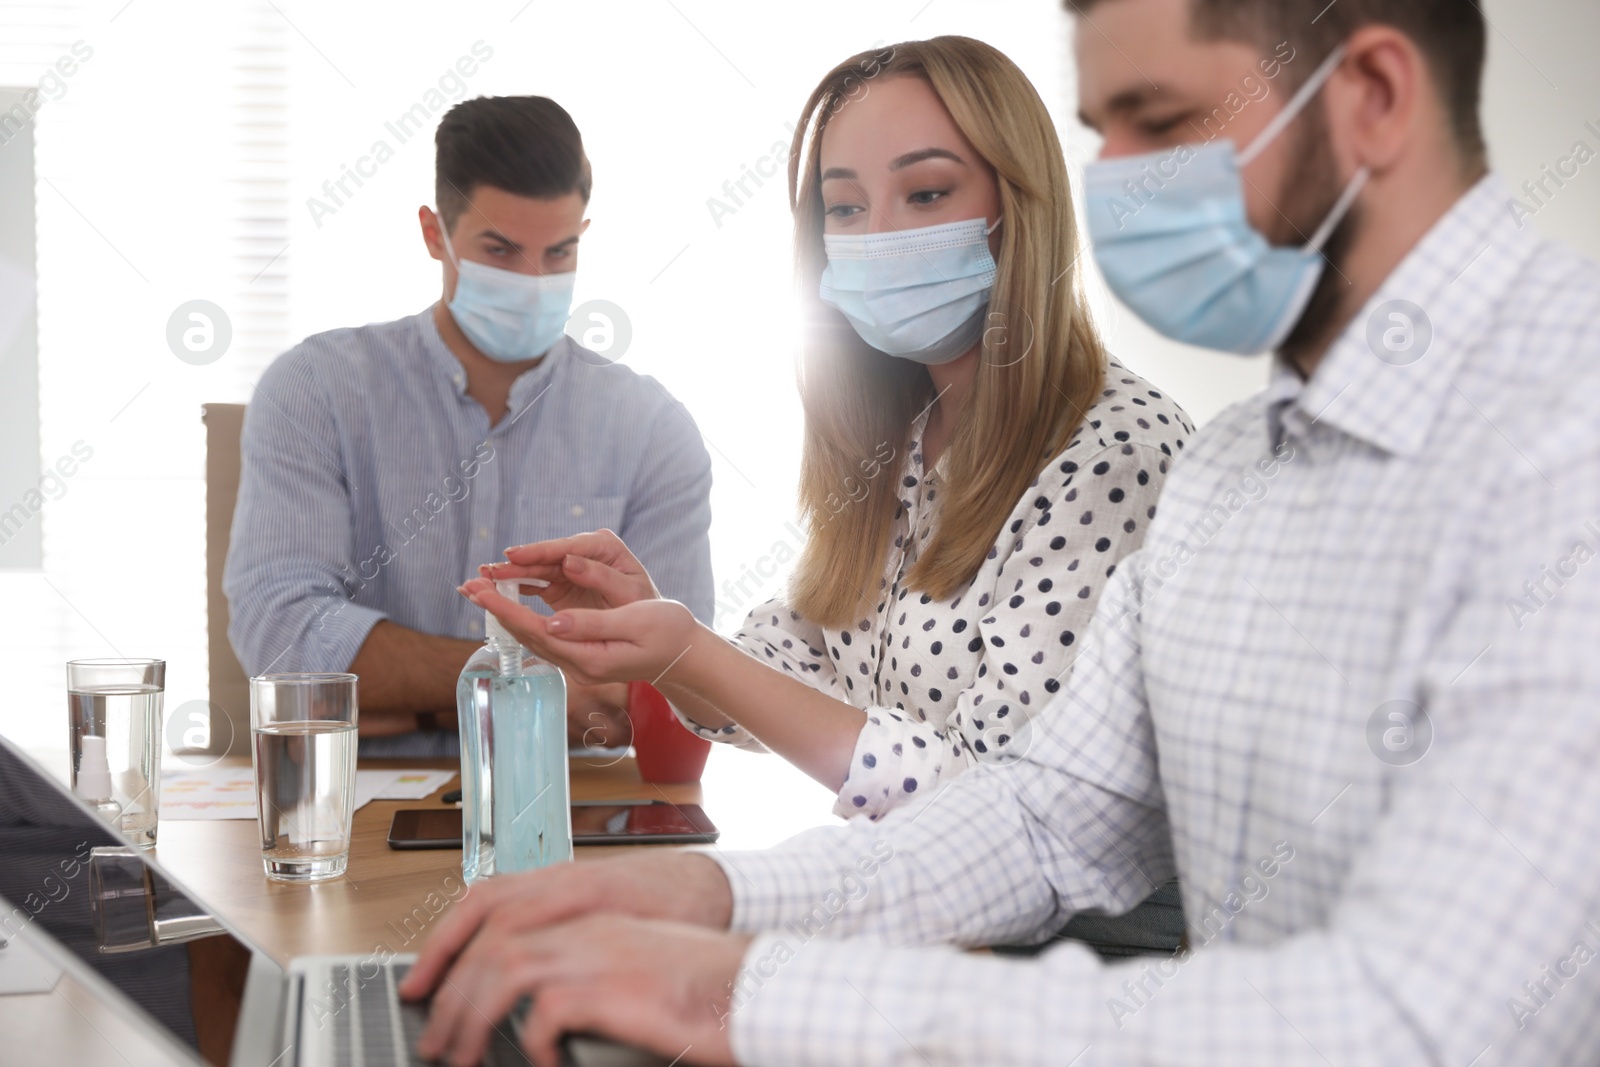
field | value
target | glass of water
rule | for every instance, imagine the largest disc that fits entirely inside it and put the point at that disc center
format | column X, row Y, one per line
column 303, row 747
column 117, row 704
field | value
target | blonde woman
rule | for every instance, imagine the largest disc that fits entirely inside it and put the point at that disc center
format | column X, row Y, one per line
column 974, row 466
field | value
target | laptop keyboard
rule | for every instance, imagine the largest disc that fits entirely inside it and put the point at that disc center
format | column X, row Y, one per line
column 378, row 1029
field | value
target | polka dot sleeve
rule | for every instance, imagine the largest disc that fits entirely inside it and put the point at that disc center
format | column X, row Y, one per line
column 779, row 637
column 1087, row 516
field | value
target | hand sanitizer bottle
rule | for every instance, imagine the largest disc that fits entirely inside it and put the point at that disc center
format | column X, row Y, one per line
column 94, row 781
column 512, row 708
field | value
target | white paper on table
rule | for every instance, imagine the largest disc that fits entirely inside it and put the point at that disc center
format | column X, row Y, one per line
column 24, row 970
column 230, row 792
column 207, row 793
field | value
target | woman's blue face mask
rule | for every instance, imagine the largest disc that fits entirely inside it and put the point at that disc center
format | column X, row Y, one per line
column 917, row 294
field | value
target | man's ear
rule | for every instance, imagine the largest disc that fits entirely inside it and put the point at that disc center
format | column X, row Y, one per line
column 433, row 235
column 1380, row 99
column 585, row 227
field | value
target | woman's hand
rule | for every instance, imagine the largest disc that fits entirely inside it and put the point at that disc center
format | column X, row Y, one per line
column 592, row 570
column 638, row 641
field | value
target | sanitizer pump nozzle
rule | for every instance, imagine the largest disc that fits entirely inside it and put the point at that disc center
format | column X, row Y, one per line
column 504, row 642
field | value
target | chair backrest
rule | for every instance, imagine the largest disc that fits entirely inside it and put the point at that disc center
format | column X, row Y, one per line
column 230, row 687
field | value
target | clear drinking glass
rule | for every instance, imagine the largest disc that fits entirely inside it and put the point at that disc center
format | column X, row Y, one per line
column 133, row 907
column 118, row 702
column 303, row 747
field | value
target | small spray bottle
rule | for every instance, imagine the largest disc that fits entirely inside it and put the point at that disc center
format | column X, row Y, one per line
column 94, row 780
column 512, row 708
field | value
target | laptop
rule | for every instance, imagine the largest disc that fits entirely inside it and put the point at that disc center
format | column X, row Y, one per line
column 113, row 920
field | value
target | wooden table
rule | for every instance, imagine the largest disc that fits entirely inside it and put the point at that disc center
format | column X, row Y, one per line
column 387, row 898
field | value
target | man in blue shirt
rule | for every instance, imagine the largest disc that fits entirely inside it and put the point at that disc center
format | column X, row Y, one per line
column 383, row 463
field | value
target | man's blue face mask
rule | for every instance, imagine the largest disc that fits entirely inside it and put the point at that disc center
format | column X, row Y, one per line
column 918, row 294
column 1171, row 236
column 509, row 317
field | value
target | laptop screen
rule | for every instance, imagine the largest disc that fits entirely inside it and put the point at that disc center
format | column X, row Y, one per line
column 65, row 872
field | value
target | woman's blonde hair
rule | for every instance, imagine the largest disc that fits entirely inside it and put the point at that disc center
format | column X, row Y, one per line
column 1042, row 364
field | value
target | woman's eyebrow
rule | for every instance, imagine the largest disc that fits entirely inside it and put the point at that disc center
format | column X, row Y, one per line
column 902, row 162
column 899, row 163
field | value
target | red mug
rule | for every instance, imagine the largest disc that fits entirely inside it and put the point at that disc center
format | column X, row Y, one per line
column 664, row 748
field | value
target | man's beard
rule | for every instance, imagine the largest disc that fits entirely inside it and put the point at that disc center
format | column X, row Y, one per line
column 1307, row 199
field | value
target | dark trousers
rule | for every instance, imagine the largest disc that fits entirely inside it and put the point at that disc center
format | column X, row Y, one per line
column 1154, row 928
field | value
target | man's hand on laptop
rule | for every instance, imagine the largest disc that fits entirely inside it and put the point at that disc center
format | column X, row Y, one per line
column 656, row 985
column 607, row 946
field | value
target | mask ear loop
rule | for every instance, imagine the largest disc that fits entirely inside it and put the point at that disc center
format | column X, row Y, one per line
column 1280, row 122
column 1291, row 111
column 1340, row 208
column 444, row 237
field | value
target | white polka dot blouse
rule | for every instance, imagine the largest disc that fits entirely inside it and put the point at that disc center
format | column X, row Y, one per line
column 945, row 685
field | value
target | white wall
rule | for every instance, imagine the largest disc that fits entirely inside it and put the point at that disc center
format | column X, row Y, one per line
column 21, row 492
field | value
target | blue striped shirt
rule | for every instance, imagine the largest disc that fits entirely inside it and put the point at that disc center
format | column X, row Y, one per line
column 372, row 485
